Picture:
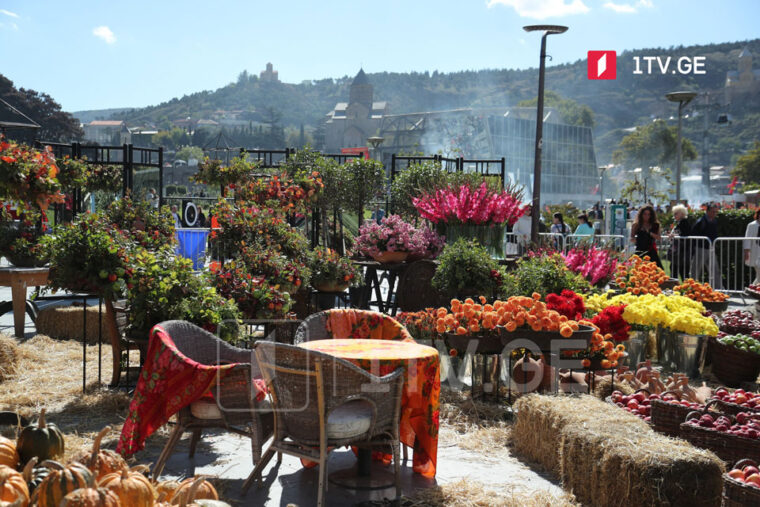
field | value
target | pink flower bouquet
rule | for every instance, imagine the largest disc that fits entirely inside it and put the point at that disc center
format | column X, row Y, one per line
column 597, row 265
column 468, row 205
column 392, row 234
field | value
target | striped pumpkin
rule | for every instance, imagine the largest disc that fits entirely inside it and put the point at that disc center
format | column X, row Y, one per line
column 204, row 489
column 101, row 462
column 61, row 481
column 8, row 454
column 132, row 488
column 13, row 487
column 91, row 497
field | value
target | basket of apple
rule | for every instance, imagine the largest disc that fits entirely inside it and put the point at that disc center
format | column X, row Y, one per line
column 669, row 410
column 741, row 486
column 735, row 359
column 738, row 401
column 638, row 403
column 753, row 291
column 730, row 437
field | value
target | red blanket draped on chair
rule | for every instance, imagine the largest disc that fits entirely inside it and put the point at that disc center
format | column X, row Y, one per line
column 169, row 381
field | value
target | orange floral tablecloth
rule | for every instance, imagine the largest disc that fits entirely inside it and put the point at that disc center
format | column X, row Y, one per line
column 422, row 387
column 351, row 323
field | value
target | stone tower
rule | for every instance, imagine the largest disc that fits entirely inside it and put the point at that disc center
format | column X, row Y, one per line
column 361, row 90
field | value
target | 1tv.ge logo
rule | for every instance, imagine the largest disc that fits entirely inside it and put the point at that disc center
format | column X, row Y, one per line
column 603, row 65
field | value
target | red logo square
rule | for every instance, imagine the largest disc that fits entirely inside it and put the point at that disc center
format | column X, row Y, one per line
column 602, row 65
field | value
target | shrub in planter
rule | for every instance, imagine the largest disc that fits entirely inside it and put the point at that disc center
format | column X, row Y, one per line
column 28, row 175
column 147, row 226
column 331, row 269
column 163, row 286
column 364, row 180
column 212, row 172
column 466, row 268
column 544, row 275
column 277, row 269
column 89, row 255
column 19, row 239
column 256, row 298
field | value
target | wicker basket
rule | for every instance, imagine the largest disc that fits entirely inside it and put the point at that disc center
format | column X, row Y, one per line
column 730, row 448
column 733, row 408
column 667, row 417
column 738, row 494
column 733, row 366
column 715, row 306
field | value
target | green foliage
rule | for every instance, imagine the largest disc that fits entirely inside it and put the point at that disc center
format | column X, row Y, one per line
column 571, row 111
column 147, row 226
column 214, row 172
column 189, row 152
column 364, row 182
column 542, row 274
column 748, row 165
column 412, row 182
column 569, row 215
column 328, row 267
column 732, row 222
column 466, row 267
column 164, row 287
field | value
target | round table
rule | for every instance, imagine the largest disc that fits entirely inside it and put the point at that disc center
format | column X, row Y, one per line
column 418, row 427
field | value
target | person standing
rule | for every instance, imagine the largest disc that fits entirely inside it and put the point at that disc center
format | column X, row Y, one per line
column 201, row 218
column 704, row 255
column 559, row 227
column 584, row 228
column 522, row 230
column 752, row 246
column 646, row 232
column 680, row 249
column 175, row 215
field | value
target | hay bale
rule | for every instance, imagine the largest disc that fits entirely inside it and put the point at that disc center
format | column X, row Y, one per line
column 65, row 323
column 604, row 386
column 607, row 456
column 8, row 356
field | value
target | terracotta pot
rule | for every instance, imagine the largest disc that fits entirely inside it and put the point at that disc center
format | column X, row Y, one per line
column 391, row 257
column 331, row 286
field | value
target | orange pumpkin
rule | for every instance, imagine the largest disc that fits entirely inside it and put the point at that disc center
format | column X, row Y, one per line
column 91, row 497
column 189, row 496
column 13, row 487
column 8, row 454
column 132, row 488
column 101, row 462
column 167, row 489
column 61, row 481
column 204, row 489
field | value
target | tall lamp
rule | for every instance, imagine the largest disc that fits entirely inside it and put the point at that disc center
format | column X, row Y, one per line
column 548, row 30
column 683, row 98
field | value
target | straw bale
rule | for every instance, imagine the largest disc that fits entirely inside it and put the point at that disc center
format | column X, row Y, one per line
column 607, row 456
column 8, row 356
column 604, row 386
column 65, row 322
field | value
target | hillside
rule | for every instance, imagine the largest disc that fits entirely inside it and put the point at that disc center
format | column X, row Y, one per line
column 98, row 114
column 627, row 101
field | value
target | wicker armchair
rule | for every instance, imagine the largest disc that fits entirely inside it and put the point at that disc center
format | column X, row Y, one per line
column 233, row 407
column 321, row 401
column 315, row 326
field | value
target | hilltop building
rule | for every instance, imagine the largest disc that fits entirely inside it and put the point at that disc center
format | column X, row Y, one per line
column 744, row 82
column 107, row 132
column 269, row 74
column 350, row 123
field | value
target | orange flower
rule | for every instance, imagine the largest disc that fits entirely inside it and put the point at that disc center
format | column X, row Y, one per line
column 461, row 330
column 586, row 363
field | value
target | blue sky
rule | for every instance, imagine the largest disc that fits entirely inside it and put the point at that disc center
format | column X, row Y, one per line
column 98, row 54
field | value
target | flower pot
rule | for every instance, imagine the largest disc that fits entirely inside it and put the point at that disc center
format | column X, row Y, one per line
column 390, row 257
column 682, row 352
column 490, row 236
column 331, row 286
column 636, row 347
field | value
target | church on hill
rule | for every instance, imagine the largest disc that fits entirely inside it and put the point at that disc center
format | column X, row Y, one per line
column 743, row 83
column 350, row 123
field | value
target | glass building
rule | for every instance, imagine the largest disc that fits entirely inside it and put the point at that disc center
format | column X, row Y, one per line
column 568, row 169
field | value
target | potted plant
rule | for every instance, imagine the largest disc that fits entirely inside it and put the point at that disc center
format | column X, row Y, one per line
column 364, row 180
column 332, row 272
column 290, row 275
column 19, row 239
column 389, row 241
column 466, row 269
column 149, row 227
column 256, row 298
column 428, row 244
column 28, row 175
column 543, row 274
column 213, row 172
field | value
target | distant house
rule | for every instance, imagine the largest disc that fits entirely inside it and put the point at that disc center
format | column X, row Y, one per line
column 107, row 132
column 350, row 123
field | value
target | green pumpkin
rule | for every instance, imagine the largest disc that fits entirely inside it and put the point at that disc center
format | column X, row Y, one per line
column 34, row 475
column 61, row 481
column 42, row 440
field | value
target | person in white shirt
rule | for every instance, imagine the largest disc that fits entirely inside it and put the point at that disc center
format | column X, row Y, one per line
column 521, row 228
column 175, row 214
column 752, row 247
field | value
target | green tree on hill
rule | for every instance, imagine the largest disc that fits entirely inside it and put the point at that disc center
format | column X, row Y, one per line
column 748, row 165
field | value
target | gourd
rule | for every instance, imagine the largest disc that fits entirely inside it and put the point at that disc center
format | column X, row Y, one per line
column 101, row 462
column 187, row 497
column 43, row 440
column 13, row 488
column 8, row 454
column 204, row 490
column 132, row 488
column 91, row 497
column 34, row 475
column 61, row 481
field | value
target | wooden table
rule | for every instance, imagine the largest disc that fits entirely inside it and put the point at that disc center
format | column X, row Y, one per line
column 19, row 279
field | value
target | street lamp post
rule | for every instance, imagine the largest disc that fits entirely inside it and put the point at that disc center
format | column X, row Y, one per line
column 683, row 98
column 536, row 214
column 601, row 194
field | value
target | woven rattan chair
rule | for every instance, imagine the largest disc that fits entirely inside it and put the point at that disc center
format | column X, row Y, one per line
column 314, row 327
column 233, row 408
column 321, row 401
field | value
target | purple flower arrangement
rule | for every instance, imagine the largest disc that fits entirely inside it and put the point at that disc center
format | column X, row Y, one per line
column 393, row 234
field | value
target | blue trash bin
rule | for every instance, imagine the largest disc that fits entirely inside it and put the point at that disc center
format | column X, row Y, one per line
column 191, row 244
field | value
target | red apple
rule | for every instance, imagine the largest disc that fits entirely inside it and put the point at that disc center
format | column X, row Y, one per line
column 736, row 474
column 749, row 470
column 754, row 479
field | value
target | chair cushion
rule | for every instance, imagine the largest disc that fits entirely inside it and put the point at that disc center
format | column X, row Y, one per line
column 207, row 409
column 349, row 420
